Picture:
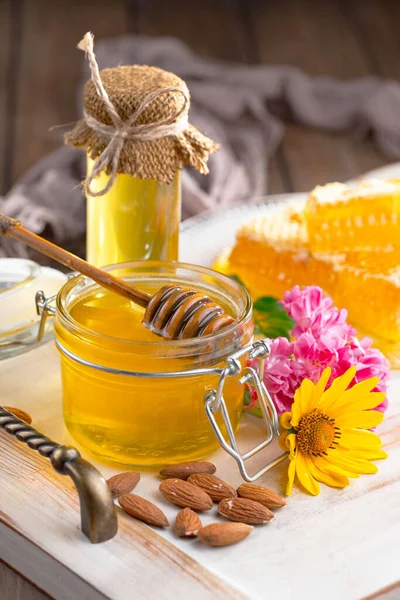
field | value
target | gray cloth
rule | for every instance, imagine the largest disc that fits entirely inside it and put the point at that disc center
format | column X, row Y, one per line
column 234, row 104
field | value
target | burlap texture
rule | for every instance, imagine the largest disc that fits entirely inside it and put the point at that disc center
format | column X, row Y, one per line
column 127, row 87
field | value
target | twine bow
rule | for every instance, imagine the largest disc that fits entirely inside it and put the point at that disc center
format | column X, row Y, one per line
column 122, row 131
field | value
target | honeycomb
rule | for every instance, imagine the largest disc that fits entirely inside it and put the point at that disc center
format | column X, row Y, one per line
column 366, row 217
column 346, row 241
column 272, row 255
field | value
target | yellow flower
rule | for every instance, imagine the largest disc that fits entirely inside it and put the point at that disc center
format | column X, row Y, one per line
column 327, row 434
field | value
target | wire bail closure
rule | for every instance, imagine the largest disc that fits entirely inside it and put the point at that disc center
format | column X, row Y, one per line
column 214, row 402
column 44, row 310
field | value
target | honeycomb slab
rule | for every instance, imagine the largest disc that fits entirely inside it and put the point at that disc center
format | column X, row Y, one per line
column 340, row 218
column 346, row 241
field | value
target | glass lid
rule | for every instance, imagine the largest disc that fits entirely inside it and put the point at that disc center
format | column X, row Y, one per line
column 20, row 279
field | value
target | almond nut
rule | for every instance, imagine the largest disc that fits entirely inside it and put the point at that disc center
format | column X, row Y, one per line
column 224, row 534
column 123, row 483
column 245, row 511
column 184, row 470
column 187, row 523
column 143, row 509
column 20, row 414
column 261, row 494
column 185, row 494
column 216, row 488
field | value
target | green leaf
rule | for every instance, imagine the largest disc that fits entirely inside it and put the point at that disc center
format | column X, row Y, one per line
column 255, row 410
column 270, row 318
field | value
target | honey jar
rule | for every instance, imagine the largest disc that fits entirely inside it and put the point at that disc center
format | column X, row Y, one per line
column 135, row 398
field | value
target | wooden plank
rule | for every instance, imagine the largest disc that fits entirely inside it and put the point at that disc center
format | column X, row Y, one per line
column 392, row 592
column 212, row 29
column 40, row 569
column 51, row 69
column 376, row 22
column 15, row 587
column 317, row 38
column 9, row 47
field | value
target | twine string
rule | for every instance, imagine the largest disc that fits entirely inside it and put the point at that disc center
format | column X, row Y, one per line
column 122, row 131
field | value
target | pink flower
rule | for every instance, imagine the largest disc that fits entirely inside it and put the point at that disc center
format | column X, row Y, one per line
column 280, row 379
column 322, row 338
column 315, row 313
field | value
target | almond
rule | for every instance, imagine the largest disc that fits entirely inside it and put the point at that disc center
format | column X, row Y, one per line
column 260, row 494
column 187, row 523
column 185, row 494
column 245, row 511
column 20, row 414
column 216, row 488
column 123, row 483
column 143, row 509
column 224, row 534
column 184, row 470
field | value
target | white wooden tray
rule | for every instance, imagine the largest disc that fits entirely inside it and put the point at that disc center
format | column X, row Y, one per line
column 344, row 542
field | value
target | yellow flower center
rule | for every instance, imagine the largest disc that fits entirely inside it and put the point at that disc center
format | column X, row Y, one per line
column 316, row 433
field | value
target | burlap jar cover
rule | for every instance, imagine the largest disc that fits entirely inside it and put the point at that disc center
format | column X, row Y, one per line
column 136, row 122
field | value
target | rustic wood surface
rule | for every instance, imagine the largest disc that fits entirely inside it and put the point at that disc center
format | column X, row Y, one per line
column 344, row 541
column 38, row 81
column 341, row 38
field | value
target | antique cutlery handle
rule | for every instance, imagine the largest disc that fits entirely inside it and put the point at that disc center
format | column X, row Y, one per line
column 98, row 515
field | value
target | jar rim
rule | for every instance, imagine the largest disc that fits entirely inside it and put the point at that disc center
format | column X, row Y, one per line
column 236, row 289
column 26, row 271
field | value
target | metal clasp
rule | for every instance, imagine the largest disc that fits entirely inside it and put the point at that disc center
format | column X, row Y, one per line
column 44, row 310
column 214, row 402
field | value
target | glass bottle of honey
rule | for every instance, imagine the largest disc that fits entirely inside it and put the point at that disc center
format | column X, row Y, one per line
column 137, row 137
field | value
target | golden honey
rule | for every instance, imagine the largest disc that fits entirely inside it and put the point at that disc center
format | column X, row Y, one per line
column 272, row 254
column 137, row 219
column 153, row 414
column 340, row 218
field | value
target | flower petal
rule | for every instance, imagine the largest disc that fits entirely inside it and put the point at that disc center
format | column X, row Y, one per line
column 356, row 465
column 282, row 440
column 285, row 420
column 359, row 438
column 303, row 474
column 327, row 466
column 291, row 444
column 291, row 474
column 338, row 387
column 361, row 388
column 328, row 478
column 361, row 402
column 365, row 419
column 367, row 454
column 302, row 400
column 319, row 387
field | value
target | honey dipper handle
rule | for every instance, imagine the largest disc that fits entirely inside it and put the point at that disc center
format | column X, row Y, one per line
column 13, row 229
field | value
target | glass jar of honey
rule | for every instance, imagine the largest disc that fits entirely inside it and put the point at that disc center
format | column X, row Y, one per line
column 130, row 396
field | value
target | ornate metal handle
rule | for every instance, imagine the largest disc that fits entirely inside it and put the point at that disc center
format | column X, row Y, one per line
column 98, row 515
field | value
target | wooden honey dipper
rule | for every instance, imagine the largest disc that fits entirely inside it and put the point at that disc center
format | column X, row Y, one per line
column 174, row 312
